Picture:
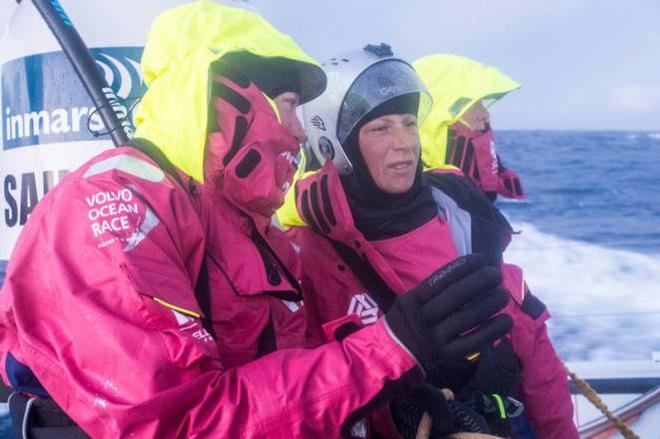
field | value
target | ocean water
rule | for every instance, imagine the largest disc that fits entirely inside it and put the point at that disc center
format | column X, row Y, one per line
column 589, row 238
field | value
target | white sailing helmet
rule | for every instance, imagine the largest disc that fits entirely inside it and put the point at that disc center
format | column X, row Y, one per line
column 358, row 82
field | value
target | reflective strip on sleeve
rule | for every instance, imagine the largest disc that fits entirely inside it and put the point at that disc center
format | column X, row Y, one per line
column 128, row 164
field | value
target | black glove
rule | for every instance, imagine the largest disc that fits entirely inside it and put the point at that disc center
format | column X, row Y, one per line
column 447, row 316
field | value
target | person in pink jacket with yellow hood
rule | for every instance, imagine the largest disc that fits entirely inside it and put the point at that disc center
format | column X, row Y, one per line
column 458, row 131
column 148, row 295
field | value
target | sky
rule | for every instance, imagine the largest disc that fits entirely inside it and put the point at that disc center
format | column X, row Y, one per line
column 583, row 64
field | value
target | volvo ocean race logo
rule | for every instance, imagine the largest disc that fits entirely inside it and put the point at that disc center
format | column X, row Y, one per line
column 44, row 102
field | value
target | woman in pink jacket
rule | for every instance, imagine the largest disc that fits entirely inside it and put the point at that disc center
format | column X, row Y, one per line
column 371, row 225
column 149, row 297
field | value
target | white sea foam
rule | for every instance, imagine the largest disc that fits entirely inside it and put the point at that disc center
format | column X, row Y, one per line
column 605, row 302
column 501, row 199
column 654, row 136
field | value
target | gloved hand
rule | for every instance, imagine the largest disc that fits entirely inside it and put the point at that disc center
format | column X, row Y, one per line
column 493, row 387
column 448, row 315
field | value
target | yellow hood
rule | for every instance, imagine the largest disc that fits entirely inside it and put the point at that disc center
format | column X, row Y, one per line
column 455, row 84
column 288, row 216
column 182, row 45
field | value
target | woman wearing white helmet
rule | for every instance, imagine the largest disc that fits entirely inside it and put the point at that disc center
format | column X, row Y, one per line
column 371, row 225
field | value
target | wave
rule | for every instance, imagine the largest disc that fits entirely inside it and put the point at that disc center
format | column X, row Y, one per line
column 504, row 200
column 605, row 302
column 654, row 136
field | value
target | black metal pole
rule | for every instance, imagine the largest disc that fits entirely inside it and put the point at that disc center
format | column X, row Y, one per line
column 112, row 112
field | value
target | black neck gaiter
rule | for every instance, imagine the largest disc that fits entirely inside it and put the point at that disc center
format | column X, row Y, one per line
column 378, row 214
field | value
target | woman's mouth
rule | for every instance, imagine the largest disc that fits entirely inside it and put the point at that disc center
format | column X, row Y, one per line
column 400, row 166
column 285, row 175
column 289, row 157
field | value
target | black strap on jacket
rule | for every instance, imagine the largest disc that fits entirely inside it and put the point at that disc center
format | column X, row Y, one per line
column 155, row 154
column 203, row 297
column 267, row 252
column 367, row 275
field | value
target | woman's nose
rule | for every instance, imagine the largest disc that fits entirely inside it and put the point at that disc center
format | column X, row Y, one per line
column 404, row 138
column 296, row 129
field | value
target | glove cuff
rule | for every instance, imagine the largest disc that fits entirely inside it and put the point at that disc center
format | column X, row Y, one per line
column 403, row 345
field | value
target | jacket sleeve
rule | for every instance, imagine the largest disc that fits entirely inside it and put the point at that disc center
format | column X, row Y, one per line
column 104, row 320
column 544, row 388
column 161, row 385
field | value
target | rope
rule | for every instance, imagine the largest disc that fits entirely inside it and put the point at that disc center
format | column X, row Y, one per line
column 424, row 428
column 593, row 398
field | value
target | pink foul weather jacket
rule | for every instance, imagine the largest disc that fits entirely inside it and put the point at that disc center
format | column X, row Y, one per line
column 335, row 296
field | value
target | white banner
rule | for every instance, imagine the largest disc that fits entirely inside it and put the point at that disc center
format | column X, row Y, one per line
column 48, row 124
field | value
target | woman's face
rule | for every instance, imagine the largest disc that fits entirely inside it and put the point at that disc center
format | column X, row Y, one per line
column 286, row 104
column 390, row 148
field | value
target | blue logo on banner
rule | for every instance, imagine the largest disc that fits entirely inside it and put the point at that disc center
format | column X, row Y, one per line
column 44, row 102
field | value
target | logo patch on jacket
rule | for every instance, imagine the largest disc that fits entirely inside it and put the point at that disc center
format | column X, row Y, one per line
column 293, row 306
column 364, row 307
column 192, row 326
column 359, row 430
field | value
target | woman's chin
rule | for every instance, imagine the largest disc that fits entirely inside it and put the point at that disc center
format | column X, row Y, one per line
column 397, row 187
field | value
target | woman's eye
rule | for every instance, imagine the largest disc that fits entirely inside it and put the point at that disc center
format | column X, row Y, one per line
column 412, row 122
